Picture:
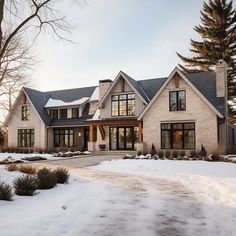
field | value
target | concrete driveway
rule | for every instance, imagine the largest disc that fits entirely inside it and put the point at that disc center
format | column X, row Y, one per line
column 81, row 162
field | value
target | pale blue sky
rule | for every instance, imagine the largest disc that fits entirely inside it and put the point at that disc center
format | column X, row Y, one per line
column 140, row 37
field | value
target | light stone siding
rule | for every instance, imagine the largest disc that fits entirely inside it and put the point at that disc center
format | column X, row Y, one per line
column 105, row 112
column 196, row 111
column 34, row 122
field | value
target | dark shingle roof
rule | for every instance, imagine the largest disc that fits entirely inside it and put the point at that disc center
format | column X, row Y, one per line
column 39, row 100
column 151, row 86
column 139, row 88
column 205, row 82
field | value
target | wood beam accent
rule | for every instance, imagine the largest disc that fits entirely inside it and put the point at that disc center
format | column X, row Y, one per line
column 102, row 131
column 115, row 122
column 91, row 138
column 176, row 80
column 122, row 85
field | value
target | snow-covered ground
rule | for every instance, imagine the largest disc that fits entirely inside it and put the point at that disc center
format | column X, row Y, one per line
column 21, row 156
column 129, row 197
column 18, row 156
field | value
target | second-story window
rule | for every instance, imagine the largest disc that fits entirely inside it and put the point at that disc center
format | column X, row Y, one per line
column 123, row 105
column 54, row 114
column 177, row 100
column 63, row 113
column 75, row 113
column 25, row 112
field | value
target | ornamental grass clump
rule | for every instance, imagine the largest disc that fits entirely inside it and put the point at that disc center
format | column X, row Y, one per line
column 25, row 185
column 62, row 175
column 27, row 169
column 47, row 178
column 12, row 167
column 6, row 192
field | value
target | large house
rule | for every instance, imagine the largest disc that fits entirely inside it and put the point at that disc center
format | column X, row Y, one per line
column 179, row 112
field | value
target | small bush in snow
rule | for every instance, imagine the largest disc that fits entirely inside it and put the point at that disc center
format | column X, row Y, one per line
column 34, row 158
column 203, row 152
column 5, row 192
column 175, row 154
column 25, row 185
column 46, row 178
column 161, row 154
column 153, row 150
column 215, row 157
column 26, row 169
column 182, row 153
column 12, row 167
column 62, row 175
column 167, row 154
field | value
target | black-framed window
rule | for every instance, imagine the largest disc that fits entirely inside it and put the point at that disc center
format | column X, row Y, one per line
column 178, row 136
column 25, row 112
column 63, row 137
column 63, row 113
column 123, row 105
column 54, row 114
column 177, row 100
column 25, row 137
column 75, row 113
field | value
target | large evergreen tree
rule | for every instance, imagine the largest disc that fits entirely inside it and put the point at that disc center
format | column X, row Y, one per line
column 218, row 42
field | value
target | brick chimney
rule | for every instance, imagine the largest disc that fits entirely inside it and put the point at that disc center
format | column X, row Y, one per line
column 221, row 78
column 104, row 85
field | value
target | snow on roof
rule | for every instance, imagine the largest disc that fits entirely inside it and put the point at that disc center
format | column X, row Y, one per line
column 59, row 103
column 95, row 95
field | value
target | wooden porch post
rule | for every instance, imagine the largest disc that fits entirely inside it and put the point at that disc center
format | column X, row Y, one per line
column 140, row 132
column 91, row 133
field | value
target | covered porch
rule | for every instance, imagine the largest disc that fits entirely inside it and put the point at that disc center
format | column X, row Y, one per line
column 115, row 134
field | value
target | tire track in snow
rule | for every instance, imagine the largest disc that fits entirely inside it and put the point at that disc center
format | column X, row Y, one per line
column 179, row 215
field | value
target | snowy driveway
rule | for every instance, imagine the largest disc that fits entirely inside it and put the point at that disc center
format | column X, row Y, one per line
column 167, row 207
column 129, row 197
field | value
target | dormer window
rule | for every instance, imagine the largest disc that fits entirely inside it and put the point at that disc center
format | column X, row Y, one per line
column 123, row 105
column 25, row 112
column 177, row 100
column 75, row 113
column 54, row 114
column 63, row 113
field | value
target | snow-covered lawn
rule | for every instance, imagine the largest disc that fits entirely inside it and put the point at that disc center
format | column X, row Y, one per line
column 129, row 197
column 19, row 156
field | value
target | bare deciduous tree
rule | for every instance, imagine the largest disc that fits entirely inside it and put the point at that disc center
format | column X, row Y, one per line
column 21, row 21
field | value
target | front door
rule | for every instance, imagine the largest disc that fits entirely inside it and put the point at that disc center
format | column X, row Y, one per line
column 122, row 138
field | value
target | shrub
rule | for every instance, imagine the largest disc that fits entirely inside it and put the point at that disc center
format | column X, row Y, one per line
column 25, row 185
column 203, row 152
column 62, row 175
column 5, row 192
column 34, row 158
column 12, row 167
column 153, row 150
column 193, row 153
column 167, row 154
column 175, row 154
column 139, row 153
column 215, row 157
column 47, row 178
column 182, row 153
column 30, row 170
column 161, row 154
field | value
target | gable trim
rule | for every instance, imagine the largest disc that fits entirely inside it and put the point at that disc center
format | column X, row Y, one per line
column 10, row 114
column 113, row 85
column 176, row 70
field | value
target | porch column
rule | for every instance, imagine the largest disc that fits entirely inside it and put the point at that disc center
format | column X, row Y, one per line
column 91, row 133
column 91, row 143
